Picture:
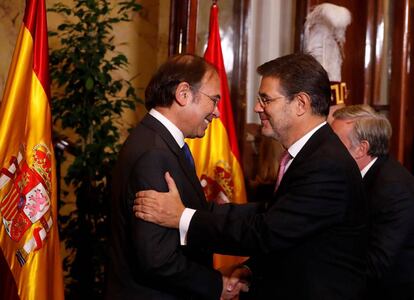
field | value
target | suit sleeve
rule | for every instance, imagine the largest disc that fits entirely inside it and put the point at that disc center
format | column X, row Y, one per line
column 393, row 211
column 157, row 249
column 315, row 198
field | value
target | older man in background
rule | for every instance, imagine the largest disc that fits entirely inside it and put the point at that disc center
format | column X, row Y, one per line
column 390, row 189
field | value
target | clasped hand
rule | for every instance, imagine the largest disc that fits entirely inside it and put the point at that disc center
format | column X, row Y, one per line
column 235, row 280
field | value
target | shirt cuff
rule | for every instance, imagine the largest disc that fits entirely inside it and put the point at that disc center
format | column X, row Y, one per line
column 185, row 220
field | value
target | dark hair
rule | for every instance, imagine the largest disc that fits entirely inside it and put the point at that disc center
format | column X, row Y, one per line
column 300, row 72
column 179, row 68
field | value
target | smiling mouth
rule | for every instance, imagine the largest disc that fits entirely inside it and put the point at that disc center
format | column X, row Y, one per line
column 262, row 116
column 208, row 120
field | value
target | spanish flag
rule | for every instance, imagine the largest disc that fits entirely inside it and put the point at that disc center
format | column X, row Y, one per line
column 216, row 155
column 30, row 263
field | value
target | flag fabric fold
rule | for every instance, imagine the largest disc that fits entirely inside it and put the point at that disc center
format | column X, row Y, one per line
column 29, row 242
column 216, row 155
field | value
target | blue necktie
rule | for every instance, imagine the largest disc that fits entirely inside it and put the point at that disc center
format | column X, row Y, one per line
column 188, row 154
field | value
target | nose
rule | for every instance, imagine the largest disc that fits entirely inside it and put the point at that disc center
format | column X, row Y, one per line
column 216, row 112
column 258, row 108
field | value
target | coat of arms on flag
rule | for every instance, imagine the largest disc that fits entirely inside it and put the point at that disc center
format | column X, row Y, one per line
column 25, row 198
column 221, row 186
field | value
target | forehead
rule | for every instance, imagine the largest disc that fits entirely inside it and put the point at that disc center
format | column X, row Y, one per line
column 342, row 127
column 270, row 85
column 211, row 80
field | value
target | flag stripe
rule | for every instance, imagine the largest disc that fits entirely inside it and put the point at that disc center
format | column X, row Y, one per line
column 11, row 205
column 35, row 17
column 30, row 14
column 214, row 55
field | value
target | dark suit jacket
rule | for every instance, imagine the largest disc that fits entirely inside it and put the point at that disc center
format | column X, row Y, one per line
column 147, row 261
column 390, row 189
column 309, row 242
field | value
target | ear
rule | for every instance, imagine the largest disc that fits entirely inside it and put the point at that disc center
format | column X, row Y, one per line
column 303, row 103
column 183, row 93
column 362, row 149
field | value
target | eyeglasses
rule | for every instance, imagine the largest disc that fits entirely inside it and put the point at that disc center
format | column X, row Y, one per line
column 215, row 99
column 264, row 101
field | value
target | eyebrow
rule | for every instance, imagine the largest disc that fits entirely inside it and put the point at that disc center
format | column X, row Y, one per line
column 263, row 95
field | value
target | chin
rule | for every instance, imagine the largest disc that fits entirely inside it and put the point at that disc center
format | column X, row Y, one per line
column 201, row 135
column 267, row 131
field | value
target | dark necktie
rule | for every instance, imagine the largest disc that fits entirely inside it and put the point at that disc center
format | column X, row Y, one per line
column 284, row 159
column 188, row 155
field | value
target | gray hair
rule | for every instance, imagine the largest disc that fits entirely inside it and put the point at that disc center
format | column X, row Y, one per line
column 368, row 126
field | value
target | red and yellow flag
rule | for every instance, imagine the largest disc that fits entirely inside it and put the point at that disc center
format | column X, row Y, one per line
column 30, row 263
column 216, row 155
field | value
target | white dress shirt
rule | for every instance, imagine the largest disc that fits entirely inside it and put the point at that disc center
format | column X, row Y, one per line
column 175, row 132
column 368, row 166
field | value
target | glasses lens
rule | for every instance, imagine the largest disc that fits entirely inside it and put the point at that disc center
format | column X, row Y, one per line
column 260, row 100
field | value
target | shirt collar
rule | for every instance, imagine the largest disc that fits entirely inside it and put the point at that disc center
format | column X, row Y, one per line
column 298, row 145
column 367, row 167
column 175, row 132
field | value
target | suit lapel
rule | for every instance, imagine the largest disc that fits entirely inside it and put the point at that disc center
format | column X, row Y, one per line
column 189, row 171
column 318, row 138
column 371, row 175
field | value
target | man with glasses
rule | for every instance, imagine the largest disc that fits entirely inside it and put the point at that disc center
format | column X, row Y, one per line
column 147, row 261
column 309, row 241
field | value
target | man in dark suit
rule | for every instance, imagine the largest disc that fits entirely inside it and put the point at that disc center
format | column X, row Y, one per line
column 147, row 261
column 390, row 190
column 308, row 242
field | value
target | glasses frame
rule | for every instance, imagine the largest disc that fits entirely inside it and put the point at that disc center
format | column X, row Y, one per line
column 263, row 101
column 215, row 99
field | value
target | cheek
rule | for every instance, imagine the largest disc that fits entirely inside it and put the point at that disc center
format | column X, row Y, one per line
column 345, row 141
column 353, row 153
column 197, row 118
column 276, row 117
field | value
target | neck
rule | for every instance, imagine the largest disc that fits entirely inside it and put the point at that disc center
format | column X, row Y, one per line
column 362, row 162
column 175, row 116
column 303, row 128
column 169, row 114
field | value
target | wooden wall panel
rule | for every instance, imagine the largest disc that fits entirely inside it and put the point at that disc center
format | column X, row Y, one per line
column 183, row 20
column 402, row 79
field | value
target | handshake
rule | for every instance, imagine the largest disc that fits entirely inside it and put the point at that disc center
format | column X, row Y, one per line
column 235, row 280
